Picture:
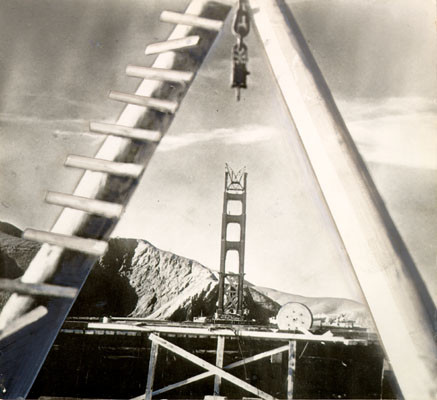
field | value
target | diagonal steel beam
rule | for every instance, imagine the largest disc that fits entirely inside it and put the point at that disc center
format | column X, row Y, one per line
column 397, row 297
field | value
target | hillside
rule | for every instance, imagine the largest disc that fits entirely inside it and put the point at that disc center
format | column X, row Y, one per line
column 326, row 306
column 137, row 279
column 15, row 254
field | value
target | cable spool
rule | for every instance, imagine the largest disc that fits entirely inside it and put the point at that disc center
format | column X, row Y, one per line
column 294, row 316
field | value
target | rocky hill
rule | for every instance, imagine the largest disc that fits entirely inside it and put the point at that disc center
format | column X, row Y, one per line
column 137, row 279
column 15, row 254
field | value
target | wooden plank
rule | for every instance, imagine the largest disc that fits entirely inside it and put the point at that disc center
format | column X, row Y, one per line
column 257, row 357
column 179, row 384
column 227, row 332
column 25, row 320
column 151, row 374
column 84, row 245
column 125, row 132
column 207, row 374
column 20, row 365
column 160, row 74
column 191, row 20
column 92, row 206
column 213, row 397
column 204, row 364
column 165, row 106
column 219, row 363
column 37, row 289
column 110, row 167
column 172, row 44
column 394, row 290
column 291, row 368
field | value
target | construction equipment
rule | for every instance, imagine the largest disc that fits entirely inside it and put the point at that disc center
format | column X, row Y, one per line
column 294, row 317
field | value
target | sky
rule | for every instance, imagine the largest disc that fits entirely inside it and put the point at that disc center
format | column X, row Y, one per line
column 60, row 58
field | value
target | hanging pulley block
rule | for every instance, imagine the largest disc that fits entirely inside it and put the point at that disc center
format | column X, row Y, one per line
column 240, row 71
column 241, row 28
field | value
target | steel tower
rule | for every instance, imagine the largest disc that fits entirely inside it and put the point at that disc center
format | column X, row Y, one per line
column 230, row 302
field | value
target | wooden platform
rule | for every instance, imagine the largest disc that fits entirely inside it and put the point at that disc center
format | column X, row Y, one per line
column 138, row 326
column 118, row 359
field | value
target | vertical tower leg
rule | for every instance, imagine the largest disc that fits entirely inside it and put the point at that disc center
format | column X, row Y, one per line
column 221, row 297
column 240, row 282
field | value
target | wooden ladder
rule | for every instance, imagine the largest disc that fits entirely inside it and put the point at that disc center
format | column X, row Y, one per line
column 43, row 296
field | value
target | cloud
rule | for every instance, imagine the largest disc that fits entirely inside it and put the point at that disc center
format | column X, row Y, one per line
column 65, row 129
column 363, row 109
column 248, row 134
column 21, row 118
column 398, row 131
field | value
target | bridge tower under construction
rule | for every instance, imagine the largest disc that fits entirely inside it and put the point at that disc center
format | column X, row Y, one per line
column 230, row 301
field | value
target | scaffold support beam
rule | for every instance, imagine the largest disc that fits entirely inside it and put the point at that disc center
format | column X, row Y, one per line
column 210, row 367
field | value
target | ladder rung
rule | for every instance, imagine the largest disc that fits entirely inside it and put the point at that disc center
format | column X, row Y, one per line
column 174, row 44
column 157, row 104
column 99, row 165
column 37, row 289
column 23, row 321
column 191, row 20
column 84, row 245
column 124, row 131
column 92, row 206
column 160, row 74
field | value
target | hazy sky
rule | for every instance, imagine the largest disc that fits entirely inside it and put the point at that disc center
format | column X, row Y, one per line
column 61, row 57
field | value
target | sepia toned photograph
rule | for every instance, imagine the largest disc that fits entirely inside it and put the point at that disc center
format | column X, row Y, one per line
column 218, row 199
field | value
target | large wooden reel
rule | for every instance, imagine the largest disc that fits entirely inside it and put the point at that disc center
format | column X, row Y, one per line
column 294, row 317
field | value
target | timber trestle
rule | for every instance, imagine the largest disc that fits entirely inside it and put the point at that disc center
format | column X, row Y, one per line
column 283, row 342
